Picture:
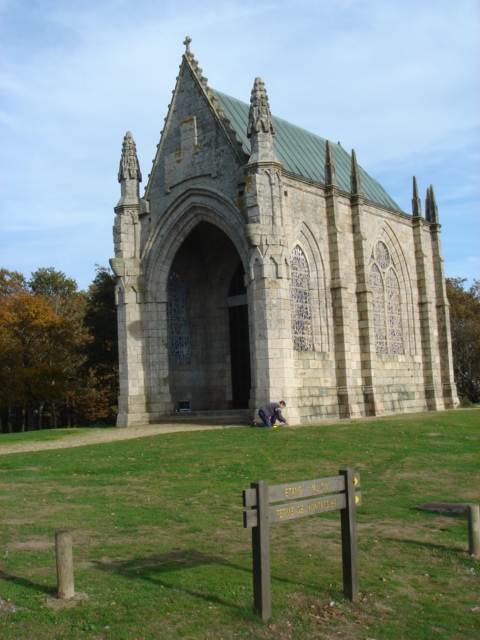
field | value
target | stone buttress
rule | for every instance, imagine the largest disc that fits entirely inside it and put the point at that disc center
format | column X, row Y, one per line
column 269, row 287
column 129, row 291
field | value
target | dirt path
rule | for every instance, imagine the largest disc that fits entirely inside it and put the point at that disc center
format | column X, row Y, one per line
column 97, row 436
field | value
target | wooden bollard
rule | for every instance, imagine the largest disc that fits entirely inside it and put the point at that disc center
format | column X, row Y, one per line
column 473, row 529
column 63, row 547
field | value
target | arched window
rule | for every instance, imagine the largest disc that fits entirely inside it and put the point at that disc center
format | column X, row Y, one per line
column 300, row 301
column 177, row 320
column 387, row 319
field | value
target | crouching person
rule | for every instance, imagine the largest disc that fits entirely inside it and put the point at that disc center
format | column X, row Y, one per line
column 269, row 414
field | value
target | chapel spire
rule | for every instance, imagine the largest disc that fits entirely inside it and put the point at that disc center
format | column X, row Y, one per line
column 260, row 128
column 416, row 202
column 355, row 183
column 431, row 209
column 129, row 174
column 330, row 171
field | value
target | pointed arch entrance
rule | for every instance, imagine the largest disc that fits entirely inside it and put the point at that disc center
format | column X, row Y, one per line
column 207, row 323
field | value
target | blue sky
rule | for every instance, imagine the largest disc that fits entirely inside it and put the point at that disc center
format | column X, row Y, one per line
column 397, row 80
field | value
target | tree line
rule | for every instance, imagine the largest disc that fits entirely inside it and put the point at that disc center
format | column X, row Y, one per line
column 58, row 351
column 59, row 348
column 465, row 326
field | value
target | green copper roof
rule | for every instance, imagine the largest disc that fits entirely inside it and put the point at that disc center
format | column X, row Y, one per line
column 303, row 153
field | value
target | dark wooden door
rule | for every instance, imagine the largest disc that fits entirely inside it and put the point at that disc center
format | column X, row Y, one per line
column 240, row 356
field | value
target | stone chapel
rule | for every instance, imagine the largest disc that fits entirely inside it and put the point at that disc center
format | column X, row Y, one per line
column 263, row 263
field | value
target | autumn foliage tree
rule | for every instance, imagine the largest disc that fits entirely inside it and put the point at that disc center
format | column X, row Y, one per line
column 35, row 353
column 62, row 294
column 58, row 350
column 465, row 328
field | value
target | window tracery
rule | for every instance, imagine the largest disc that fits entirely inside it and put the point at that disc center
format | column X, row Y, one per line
column 379, row 328
column 393, row 311
column 177, row 320
column 387, row 319
column 300, row 301
column 383, row 257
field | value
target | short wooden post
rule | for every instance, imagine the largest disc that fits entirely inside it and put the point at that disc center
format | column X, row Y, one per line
column 63, row 547
column 349, row 538
column 262, row 598
column 473, row 529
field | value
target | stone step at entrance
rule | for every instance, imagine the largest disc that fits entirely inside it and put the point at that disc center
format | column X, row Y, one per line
column 234, row 416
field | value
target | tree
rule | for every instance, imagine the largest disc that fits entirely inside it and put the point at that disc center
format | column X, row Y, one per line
column 62, row 294
column 11, row 282
column 465, row 327
column 55, row 287
column 58, row 349
column 101, row 351
column 101, row 322
column 36, row 347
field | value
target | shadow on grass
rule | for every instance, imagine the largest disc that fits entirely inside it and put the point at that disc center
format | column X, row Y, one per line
column 23, row 582
column 154, row 568
column 163, row 562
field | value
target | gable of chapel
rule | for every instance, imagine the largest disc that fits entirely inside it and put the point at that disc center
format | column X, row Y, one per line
column 263, row 263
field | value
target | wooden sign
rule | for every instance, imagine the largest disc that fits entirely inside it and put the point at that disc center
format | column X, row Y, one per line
column 300, row 489
column 281, row 512
column 260, row 496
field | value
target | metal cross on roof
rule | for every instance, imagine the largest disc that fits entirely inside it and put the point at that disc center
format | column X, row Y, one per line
column 187, row 42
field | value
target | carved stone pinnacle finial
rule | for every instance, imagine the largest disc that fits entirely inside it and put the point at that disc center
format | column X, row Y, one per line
column 431, row 209
column 259, row 118
column 129, row 166
column 416, row 202
column 187, row 42
column 330, row 172
column 355, row 183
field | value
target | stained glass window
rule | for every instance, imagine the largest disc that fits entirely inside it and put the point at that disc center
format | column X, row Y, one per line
column 300, row 301
column 387, row 319
column 395, row 336
column 177, row 320
column 383, row 257
column 376, row 282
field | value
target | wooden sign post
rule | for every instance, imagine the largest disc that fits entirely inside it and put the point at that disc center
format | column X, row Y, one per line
column 260, row 514
column 348, row 518
column 262, row 600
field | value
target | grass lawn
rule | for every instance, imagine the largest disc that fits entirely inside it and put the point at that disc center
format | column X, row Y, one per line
column 160, row 550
